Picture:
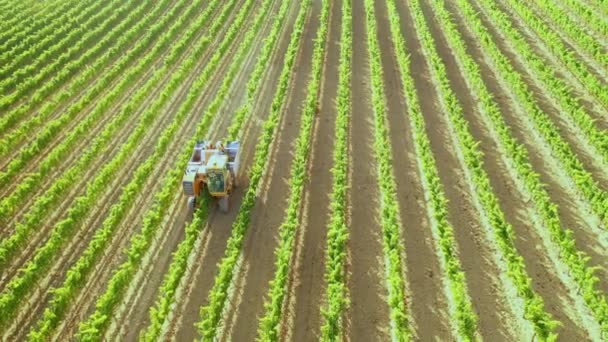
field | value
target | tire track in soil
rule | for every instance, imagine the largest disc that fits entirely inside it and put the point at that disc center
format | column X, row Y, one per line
column 124, row 132
column 424, row 271
column 543, row 99
column 137, row 318
column 479, row 269
column 368, row 313
column 74, row 98
column 242, row 318
column 571, row 213
column 198, row 286
column 517, row 211
column 78, row 244
column 306, row 285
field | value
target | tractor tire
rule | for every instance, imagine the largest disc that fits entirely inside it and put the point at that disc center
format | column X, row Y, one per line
column 191, row 207
column 223, row 203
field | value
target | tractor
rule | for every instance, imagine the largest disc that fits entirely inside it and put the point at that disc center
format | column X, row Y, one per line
column 212, row 168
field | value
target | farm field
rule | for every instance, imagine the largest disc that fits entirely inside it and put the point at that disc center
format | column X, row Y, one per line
column 408, row 170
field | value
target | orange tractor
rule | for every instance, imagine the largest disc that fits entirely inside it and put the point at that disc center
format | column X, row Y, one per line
column 213, row 168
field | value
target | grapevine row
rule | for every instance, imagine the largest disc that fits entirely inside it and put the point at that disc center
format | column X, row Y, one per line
column 337, row 230
column 211, row 314
column 10, row 245
column 11, row 141
column 10, row 203
column 64, row 67
column 268, row 328
column 443, row 232
column 389, row 210
column 177, row 269
column 519, row 159
column 33, row 45
column 586, row 14
column 26, row 22
column 560, row 93
column 572, row 30
column 94, row 326
column 587, row 186
column 594, row 85
column 76, row 276
column 469, row 153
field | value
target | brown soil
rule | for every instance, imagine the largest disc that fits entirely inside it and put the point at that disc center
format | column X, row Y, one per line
column 368, row 314
column 182, row 327
column 242, row 318
column 307, row 285
column 73, row 251
column 528, row 242
column 428, row 304
column 547, row 105
column 570, row 213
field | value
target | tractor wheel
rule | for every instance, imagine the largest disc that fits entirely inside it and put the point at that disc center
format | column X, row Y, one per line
column 223, row 203
column 191, row 207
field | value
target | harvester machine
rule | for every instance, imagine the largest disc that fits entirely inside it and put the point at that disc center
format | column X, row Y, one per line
column 212, row 168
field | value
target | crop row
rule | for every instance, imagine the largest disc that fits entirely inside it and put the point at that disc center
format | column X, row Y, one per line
column 97, row 186
column 76, row 276
column 587, row 186
column 254, row 83
column 93, row 327
column 469, row 153
column 560, row 91
column 64, row 66
column 211, row 314
column 519, row 159
column 62, row 151
column 337, row 230
column 179, row 263
column 586, row 14
column 594, row 85
column 25, row 22
column 62, row 184
column 460, row 307
column 389, row 209
column 270, row 321
column 573, row 31
column 12, row 140
column 48, row 38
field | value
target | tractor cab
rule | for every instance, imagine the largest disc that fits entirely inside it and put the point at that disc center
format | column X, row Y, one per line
column 217, row 174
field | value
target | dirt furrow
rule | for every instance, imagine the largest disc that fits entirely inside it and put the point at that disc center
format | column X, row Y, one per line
column 488, row 296
column 74, row 98
column 182, row 319
column 515, row 205
column 424, row 271
column 368, row 313
column 136, row 318
column 77, row 244
column 306, row 288
column 591, row 163
column 573, row 211
column 108, row 154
